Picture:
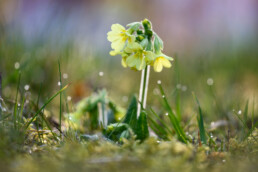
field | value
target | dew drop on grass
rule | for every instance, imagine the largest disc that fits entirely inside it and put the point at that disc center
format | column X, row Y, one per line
column 210, row 81
column 163, row 96
column 159, row 81
column 239, row 112
column 184, row 88
column 65, row 75
column 166, row 114
column 27, row 87
column 101, row 73
column 69, row 98
column 59, row 83
column 16, row 65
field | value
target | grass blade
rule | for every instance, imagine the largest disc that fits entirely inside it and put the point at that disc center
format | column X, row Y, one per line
column 21, row 111
column 159, row 130
column 200, row 122
column 0, row 95
column 46, row 103
column 60, row 106
column 16, row 102
column 253, row 113
column 246, row 127
column 246, row 111
column 178, row 90
column 162, row 121
column 173, row 119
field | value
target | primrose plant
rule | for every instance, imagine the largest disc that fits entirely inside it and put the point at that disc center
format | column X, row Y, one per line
column 140, row 48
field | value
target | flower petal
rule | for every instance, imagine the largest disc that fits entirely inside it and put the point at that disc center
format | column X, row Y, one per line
column 117, row 27
column 123, row 62
column 134, row 46
column 149, row 55
column 131, row 60
column 113, row 53
column 157, row 66
column 112, row 36
column 118, row 45
column 165, row 62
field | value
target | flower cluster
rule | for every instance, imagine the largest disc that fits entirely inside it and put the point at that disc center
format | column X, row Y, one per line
column 138, row 45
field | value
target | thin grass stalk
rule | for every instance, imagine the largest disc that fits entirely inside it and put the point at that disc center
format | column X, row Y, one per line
column 60, row 106
column 253, row 113
column 161, row 121
column 159, row 130
column 202, row 131
column 173, row 119
column 48, row 126
column 246, row 127
column 45, row 104
column 21, row 111
column 0, row 95
column 16, row 102
column 38, row 118
column 178, row 91
column 0, row 85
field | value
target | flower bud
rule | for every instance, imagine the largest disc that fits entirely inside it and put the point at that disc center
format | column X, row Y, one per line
column 133, row 27
column 140, row 38
column 158, row 43
column 139, row 32
column 147, row 27
column 146, row 24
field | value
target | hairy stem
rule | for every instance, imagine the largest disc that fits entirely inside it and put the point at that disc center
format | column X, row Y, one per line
column 143, row 89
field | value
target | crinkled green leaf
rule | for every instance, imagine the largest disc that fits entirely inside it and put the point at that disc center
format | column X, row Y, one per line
column 142, row 131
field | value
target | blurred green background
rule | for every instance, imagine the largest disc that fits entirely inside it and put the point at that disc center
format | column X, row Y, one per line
column 214, row 44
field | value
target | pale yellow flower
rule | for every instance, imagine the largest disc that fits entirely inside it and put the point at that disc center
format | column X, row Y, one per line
column 118, row 37
column 140, row 58
column 136, row 61
column 161, row 61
